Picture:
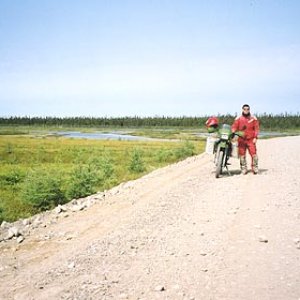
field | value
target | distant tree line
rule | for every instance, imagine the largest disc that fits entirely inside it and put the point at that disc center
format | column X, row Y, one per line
column 268, row 121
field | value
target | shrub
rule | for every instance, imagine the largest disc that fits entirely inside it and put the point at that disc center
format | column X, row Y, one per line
column 136, row 162
column 107, row 168
column 13, row 177
column 188, row 149
column 42, row 190
column 164, row 156
column 108, row 173
column 12, row 207
column 83, row 181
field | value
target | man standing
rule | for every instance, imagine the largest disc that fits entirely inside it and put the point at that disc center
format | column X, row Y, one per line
column 250, row 126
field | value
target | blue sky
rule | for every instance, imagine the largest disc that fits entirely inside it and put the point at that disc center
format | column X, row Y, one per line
column 148, row 58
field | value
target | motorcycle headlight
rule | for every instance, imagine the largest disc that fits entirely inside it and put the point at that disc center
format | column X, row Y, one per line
column 224, row 136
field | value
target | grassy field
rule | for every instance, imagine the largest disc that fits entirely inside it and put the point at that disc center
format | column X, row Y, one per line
column 39, row 171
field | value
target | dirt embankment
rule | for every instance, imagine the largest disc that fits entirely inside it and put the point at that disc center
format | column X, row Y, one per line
column 177, row 233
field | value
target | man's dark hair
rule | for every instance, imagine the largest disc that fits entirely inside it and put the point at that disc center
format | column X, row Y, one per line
column 246, row 105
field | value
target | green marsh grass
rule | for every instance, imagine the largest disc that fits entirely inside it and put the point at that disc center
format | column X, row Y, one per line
column 38, row 173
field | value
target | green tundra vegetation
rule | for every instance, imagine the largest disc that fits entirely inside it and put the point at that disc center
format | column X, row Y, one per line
column 38, row 173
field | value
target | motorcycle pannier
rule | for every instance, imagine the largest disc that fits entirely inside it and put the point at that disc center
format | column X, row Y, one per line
column 210, row 142
column 235, row 149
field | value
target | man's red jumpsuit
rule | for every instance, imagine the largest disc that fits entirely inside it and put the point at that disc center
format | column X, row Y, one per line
column 250, row 126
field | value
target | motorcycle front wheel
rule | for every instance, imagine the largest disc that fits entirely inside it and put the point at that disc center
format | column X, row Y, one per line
column 219, row 164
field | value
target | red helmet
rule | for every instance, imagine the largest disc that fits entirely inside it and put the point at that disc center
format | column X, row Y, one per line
column 212, row 122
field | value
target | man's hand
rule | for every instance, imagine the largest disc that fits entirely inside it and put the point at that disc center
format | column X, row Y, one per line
column 254, row 140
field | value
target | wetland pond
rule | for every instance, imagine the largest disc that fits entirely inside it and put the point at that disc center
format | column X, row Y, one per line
column 101, row 136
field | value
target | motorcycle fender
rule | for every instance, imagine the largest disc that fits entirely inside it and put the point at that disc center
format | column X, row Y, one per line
column 223, row 144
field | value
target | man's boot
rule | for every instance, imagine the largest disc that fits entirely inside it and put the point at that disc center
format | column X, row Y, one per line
column 255, row 164
column 243, row 164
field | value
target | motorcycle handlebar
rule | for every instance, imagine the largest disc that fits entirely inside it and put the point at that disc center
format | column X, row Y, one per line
column 238, row 133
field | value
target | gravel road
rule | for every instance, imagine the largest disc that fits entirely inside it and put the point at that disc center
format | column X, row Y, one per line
column 177, row 233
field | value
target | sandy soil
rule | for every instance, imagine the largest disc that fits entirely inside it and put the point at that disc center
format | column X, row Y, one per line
column 177, row 233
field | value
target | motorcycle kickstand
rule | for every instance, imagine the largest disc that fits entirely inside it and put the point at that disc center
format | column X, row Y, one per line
column 228, row 171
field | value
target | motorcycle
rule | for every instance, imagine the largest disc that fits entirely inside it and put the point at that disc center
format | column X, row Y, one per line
column 223, row 148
